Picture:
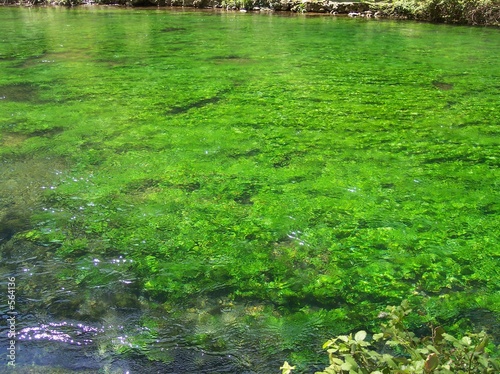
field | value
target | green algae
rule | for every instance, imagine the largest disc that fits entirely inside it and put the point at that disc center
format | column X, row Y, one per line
column 292, row 174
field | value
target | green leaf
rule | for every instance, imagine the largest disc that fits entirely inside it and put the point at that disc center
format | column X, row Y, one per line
column 329, row 343
column 346, row 366
column 423, row 351
column 449, row 338
column 336, row 361
column 483, row 361
column 480, row 347
column 360, row 336
column 349, row 359
column 432, row 348
column 286, row 368
column 389, row 360
column 438, row 335
column 431, row 362
column 466, row 340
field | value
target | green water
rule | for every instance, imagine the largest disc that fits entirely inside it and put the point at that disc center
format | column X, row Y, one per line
column 220, row 192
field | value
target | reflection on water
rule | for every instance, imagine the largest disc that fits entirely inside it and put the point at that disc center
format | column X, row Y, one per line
column 68, row 346
column 71, row 333
column 113, row 331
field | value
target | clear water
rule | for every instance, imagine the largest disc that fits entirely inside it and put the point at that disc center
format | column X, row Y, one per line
column 217, row 192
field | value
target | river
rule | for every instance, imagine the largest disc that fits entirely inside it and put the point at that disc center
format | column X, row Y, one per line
column 189, row 191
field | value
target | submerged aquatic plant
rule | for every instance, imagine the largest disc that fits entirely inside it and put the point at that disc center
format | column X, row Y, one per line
column 307, row 184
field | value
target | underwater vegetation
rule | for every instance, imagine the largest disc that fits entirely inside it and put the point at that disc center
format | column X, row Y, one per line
column 244, row 200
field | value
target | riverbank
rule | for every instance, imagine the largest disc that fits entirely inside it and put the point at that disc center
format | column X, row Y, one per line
column 464, row 12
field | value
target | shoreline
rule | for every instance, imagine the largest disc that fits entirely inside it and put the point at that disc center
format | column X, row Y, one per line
column 460, row 12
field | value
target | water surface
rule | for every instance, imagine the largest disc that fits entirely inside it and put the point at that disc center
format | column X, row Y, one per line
column 211, row 192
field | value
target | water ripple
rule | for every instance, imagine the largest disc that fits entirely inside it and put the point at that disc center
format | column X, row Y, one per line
column 65, row 332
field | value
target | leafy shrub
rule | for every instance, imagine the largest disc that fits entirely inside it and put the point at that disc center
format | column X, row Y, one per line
column 238, row 4
column 471, row 12
column 69, row 2
column 397, row 350
column 450, row 10
column 406, row 9
column 463, row 11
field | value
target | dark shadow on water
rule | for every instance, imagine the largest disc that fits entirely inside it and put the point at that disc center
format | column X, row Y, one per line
column 197, row 104
column 173, row 29
column 229, row 59
column 442, row 85
column 11, row 222
column 48, row 132
column 19, row 92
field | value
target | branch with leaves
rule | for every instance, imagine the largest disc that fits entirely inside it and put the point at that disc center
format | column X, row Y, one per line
column 395, row 350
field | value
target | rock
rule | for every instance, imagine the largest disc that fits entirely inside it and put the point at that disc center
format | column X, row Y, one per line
column 315, row 7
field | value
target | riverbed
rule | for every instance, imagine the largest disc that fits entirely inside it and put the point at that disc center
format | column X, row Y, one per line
column 217, row 192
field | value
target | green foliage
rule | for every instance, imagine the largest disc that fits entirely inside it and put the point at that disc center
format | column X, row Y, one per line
column 398, row 350
column 299, row 7
column 238, row 4
column 471, row 12
column 69, row 2
column 406, row 9
column 462, row 11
